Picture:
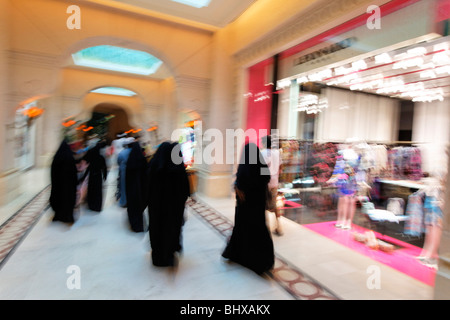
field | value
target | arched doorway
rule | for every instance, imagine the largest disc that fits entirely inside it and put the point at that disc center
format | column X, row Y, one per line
column 118, row 122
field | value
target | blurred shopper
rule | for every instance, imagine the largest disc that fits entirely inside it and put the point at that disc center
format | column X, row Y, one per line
column 250, row 243
column 273, row 161
column 64, row 180
column 117, row 147
column 98, row 173
column 122, row 159
column 168, row 191
column 83, row 173
column 136, row 187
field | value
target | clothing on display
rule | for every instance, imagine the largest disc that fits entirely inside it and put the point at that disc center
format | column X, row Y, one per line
column 323, row 161
column 405, row 163
column 291, row 162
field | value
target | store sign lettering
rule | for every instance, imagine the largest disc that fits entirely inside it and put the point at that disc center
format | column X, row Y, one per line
column 325, row 51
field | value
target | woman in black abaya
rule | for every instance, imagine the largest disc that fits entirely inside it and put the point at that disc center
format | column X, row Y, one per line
column 97, row 174
column 250, row 243
column 64, row 180
column 136, row 187
column 168, row 192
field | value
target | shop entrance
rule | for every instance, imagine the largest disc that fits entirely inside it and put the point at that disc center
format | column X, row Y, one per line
column 118, row 119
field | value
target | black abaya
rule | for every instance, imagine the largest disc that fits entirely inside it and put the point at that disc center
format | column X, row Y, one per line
column 168, row 192
column 136, row 187
column 97, row 174
column 64, row 180
column 251, row 244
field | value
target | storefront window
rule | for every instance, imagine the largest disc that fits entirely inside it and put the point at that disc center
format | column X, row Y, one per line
column 364, row 147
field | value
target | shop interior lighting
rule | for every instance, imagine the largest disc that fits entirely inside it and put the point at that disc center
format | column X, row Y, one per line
column 117, row 59
column 383, row 58
column 311, row 103
column 114, row 91
column 194, row 3
column 414, row 73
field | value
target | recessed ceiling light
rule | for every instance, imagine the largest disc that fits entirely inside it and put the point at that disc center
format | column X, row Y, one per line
column 114, row 91
column 194, row 3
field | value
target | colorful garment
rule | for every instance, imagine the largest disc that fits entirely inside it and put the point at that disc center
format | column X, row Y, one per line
column 414, row 226
column 433, row 212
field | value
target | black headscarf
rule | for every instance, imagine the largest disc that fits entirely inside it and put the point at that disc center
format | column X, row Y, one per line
column 252, row 170
column 64, row 180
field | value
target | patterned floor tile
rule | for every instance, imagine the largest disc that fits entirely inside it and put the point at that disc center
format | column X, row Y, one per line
column 294, row 281
column 13, row 230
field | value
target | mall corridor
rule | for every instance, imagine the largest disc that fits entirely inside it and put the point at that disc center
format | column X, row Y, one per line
column 39, row 258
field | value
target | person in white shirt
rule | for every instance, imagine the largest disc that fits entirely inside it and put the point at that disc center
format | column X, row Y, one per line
column 273, row 160
column 117, row 146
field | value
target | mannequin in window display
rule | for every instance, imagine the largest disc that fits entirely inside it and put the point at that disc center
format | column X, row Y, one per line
column 433, row 218
column 347, row 188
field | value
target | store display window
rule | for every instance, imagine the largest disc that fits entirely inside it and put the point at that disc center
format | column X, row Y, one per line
column 366, row 163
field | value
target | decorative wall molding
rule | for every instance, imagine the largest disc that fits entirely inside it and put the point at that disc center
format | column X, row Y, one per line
column 304, row 25
column 33, row 59
column 187, row 81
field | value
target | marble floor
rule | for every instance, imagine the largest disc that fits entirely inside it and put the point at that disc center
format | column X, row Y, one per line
column 111, row 262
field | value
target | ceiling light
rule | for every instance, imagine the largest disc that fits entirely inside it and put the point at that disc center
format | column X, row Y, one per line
column 359, row 65
column 383, row 58
column 428, row 74
column 303, row 79
column 114, row 91
column 408, row 63
column 442, row 70
column 117, row 59
column 441, row 46
column 319, row 76
column 441, row 58
column 194, row 3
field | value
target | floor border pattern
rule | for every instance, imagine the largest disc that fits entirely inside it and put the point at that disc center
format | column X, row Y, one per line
column 15, row 229
column 293, row 280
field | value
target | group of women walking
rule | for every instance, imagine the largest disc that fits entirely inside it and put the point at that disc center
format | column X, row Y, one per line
column 162, row 186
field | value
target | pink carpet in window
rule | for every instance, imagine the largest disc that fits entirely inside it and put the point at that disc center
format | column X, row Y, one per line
column 402, row 259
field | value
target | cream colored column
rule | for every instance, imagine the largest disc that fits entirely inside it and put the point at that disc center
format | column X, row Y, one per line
column 215, row 179
column 6, row 160
column 9, row 178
